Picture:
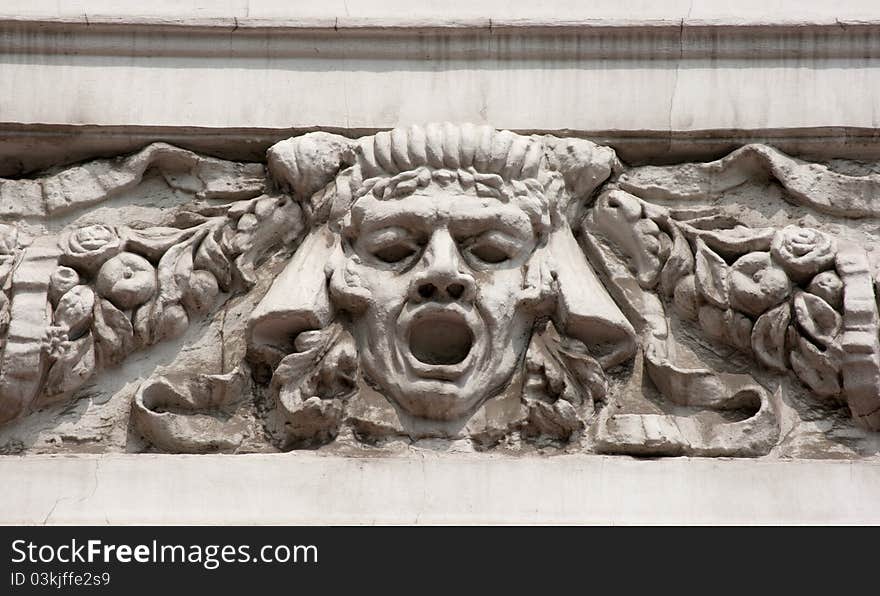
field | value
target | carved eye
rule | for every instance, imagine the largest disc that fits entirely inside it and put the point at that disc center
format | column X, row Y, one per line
column 490, row 248
column 489, row 253
column 391, row 245
column 396, row 252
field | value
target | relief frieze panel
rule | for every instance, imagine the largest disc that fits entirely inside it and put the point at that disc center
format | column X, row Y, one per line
column 445, row 286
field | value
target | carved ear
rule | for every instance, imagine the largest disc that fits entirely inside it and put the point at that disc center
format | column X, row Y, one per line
column 307, row 163
column 585, row 309
column 297, row 301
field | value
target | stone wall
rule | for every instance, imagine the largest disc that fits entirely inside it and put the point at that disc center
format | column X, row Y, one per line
column 502, row 241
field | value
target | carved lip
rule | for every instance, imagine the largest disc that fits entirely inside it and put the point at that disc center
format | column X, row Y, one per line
column 439, row 341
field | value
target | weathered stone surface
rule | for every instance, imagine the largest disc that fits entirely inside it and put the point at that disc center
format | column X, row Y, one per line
column 438, row 285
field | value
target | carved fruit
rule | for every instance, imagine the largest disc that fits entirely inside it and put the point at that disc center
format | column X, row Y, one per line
column 127, row 280
column 74, row 312
column 61, row 280
column 757, row 284
column 172, row 322
column 828, row 286
column 201, row 292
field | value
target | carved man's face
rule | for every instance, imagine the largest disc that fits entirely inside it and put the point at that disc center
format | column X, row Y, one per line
column 444, row 272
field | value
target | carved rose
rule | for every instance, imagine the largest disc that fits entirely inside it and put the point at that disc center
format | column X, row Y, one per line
column 803, row 252
column 127, row 280
column 757, row 284
column 90, row 247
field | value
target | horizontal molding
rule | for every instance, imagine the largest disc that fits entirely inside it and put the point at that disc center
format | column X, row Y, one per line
column 28, row 148
column 581, row 40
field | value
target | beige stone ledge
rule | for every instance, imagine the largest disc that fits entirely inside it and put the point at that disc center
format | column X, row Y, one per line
column 427, row 488
column 452, row 13
column 615, row 66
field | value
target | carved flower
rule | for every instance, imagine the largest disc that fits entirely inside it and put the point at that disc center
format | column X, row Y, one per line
column 757, row 284
column 803, row 252
column 90, row 247
column 127, row 280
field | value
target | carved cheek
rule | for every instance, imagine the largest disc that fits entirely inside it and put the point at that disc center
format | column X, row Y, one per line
column 366, row 288
column 498, row 294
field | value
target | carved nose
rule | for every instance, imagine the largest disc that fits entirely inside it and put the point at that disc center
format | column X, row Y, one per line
column 442, row 279
column 454, row 290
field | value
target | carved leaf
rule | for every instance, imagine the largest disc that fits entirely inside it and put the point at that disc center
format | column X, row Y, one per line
column 114, row 335
column 818, row 370
column 183, row 270
column 728, row 326
column 768, row 337
column 679, row 264
column 154, row 242
column 210, row 257
column 163, row 317
column 312, row 385
column 738, row 240
column 711, row 276
column 143, row 328
column 558, row 420
column 817, row 318
column 280, row 221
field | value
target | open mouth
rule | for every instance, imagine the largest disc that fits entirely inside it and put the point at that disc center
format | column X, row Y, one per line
column 440, row 339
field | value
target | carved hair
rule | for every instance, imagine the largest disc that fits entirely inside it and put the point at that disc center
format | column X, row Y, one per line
column 328, row 172
column 529, row 194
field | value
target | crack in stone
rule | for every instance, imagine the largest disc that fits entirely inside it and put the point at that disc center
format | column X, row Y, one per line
column 79, row 500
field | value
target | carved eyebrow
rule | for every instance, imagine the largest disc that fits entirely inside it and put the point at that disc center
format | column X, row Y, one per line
column 384, row 235
column 498, row 237
column 378, row 218
column 478, row 223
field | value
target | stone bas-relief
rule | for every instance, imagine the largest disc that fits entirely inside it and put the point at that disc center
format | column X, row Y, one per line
column 452, row 287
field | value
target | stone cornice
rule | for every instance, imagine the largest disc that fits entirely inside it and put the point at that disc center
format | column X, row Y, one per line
column 452, row 38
